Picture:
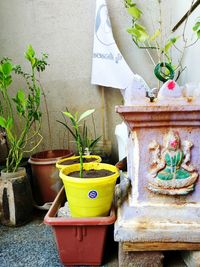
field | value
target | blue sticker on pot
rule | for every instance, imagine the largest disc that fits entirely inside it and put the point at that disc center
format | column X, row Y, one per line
column 92, row 194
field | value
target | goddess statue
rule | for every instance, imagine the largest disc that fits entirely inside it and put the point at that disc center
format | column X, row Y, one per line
column 171, row 172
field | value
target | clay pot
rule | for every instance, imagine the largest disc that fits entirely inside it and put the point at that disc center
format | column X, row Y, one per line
column 45, row 175
column 15, row 198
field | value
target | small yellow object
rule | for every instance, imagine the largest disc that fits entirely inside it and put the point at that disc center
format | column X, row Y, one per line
column 89, row 197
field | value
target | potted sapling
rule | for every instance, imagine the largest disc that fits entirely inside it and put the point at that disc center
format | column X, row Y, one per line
column 45, row 176
column 88, row 144
column 89, row 186
column 20, row 118
column 89, row 189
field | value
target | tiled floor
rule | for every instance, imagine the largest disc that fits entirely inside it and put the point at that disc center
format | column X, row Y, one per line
column 33, row 245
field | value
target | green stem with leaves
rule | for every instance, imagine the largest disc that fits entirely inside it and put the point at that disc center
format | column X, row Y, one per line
column 75, row 121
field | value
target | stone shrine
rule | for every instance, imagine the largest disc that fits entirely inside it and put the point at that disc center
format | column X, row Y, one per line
column 162, row 209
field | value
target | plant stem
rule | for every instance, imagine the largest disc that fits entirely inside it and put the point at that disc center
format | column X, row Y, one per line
column 81, row 164
column 48, row 117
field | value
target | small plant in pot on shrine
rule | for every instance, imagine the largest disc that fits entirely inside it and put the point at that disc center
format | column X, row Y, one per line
column 159, row 42
column 89, row 186
column 20, row 118
column 87, row 143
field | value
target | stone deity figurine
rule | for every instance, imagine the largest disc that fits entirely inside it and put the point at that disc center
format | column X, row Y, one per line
column 171, row 172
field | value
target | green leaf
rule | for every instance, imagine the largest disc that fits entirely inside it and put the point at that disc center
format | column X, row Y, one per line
column 140, row 27
column 94, row 142
column 7, row 68
column 86, row 114
column 139, row 33
column 155, row 35
column 30, row 51
column 2, row 122
column 135, row 12
column 30, row 55
column 68, row 128
column 68, row 114
column 8, row 80
column 196, row 27
column 9, row 123
column 21, row 95
column 170, row 43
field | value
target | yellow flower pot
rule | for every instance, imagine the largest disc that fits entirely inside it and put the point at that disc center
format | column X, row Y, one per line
column 60, row 166
column 89, row 197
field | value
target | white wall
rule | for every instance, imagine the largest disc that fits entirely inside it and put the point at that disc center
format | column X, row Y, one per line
column 64, row 29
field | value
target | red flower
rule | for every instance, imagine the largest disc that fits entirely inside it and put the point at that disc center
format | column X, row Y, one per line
column 171, row 85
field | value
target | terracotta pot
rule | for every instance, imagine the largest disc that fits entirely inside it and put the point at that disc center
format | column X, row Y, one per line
column 45, row 176
column 80, row 241
column 15, row 198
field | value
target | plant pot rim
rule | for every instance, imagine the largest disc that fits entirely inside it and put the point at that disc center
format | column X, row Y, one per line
column 49, row 156
column 60, row 161
column 51, row 218
column 19, row 169
column 20, row 173
column 65, row 172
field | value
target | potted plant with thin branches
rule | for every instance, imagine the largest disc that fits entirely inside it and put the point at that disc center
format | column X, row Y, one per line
column 159, row 44
column 45, row 176
column 20, row 117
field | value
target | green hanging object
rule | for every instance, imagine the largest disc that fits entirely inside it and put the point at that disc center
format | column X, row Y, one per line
column 161, row 75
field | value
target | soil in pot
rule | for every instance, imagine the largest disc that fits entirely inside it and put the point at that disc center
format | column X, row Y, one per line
column 92, row 173
column 77, row 160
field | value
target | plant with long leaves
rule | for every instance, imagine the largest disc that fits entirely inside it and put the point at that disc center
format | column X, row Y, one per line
column 80, row 137
column 24, row 108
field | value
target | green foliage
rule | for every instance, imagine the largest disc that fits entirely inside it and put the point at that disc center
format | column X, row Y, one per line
column 170, row 43
column 80, row 133
column 144, row 40
column 155, row 35
column 134, row 11
column 24, row 107
column 196, row 28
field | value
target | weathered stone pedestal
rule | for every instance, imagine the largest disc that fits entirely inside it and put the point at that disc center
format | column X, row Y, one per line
column 159, row 214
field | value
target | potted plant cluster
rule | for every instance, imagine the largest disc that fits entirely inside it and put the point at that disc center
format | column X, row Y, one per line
column 89, row 189
column 20, row 117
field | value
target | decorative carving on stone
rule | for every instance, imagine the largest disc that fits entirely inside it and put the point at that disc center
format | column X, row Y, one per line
column 171, row 172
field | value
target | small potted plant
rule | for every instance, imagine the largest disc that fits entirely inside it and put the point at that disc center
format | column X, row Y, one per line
column 20, row 118
column 92, row 182
column 89, row 190
column 88, row 145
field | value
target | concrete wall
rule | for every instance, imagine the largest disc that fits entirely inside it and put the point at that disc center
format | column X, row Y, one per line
column 64, row 30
